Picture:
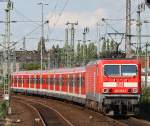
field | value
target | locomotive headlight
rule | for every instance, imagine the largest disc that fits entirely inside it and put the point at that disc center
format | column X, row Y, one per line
column 105, row 90
column 135, row 90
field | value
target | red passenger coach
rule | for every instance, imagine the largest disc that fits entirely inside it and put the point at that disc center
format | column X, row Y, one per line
column 107, row 85
column 63, row 83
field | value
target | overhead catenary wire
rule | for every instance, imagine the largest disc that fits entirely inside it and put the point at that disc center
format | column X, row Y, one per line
column 25, row 17
column 59, row 15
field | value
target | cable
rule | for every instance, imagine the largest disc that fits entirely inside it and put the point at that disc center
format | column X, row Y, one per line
column 59, row 15
column 25, row 17
column 31, row 31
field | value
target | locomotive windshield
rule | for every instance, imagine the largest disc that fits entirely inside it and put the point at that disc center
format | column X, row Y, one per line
column 120, row 70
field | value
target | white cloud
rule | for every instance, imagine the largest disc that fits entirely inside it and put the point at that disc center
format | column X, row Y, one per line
column 84, row 18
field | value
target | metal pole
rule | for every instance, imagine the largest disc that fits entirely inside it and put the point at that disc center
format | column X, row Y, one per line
column 6, row 69
column 138, row 31
column 146, row 65
column 84, row 43
column 128, row 49
column 66, row 49
column 42, row 35
column 48, row 60
column 72, row 42
column 42, row 32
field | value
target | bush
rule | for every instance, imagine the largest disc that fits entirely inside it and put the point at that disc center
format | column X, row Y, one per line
column 3, row 109
column 145, row 95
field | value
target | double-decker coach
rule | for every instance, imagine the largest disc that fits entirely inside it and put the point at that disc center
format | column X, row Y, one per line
column 68, row 83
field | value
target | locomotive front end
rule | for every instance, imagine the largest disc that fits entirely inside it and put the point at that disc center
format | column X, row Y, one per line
column 121, row 87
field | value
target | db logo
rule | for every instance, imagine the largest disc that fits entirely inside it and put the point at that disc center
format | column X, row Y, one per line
column 120, row 84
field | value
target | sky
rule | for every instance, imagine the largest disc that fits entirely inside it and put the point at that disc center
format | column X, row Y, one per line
column 86, row 12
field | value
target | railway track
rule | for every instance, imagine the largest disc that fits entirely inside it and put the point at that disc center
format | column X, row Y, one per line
column 48, row 115
column 42, row 105
column 39, row 120
column 131, row 121
column 94, row 118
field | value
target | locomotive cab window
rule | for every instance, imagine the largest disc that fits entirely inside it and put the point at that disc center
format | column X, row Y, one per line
column 111, row 70
column 120, row 70
column 129, row 70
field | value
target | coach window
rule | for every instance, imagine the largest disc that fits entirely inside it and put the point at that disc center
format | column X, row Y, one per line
column 74, row 80
column 22, row 80
column 63, row 80
column 42, row 80
column 19, row 80
column 35, row 80
column 77, row 81
column 32, row 80
column 56, row 81
column 70, row 80
column 60, row 80
column 47, row 80
column 82, row 79
column 51, row 81
column 15, row 80
column 38, row 80
column 27, row 80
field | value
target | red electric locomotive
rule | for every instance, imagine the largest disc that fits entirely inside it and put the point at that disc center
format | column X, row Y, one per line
column 109, row 86
column 114, row 86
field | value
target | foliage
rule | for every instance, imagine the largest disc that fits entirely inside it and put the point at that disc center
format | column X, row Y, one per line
column 32, row 66
column 145, row 100
column 110, row 49
column 67, row 57
column 3, row 109
column 146, row 95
